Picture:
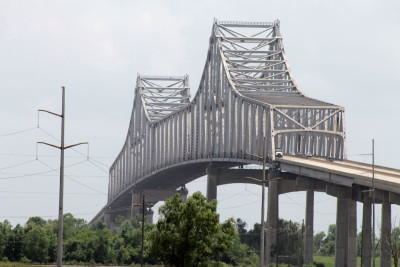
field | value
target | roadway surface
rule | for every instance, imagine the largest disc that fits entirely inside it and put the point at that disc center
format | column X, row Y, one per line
column 343, row 172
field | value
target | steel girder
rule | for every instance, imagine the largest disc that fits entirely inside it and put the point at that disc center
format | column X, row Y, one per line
column 247, row 100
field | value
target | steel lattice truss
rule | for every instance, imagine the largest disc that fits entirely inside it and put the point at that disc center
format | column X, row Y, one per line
column 247, row 101
column 255, row 57
column 162, row 96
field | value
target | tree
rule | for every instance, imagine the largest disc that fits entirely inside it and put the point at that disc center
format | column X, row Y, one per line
column 37, row 244
column 328, row 244
column 395, row 246
column 189, row 234
column 318, row 241
column 5, row 233
column 15, row 244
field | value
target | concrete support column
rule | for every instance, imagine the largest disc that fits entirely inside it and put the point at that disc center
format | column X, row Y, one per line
column 212, row 182
column 107, row 219
column 137, row 207
column 148, row 216
column 352, row 233
column 309, row 228
column 272, row 223
column 386, row 232
column 136, row 204
column 366, row 234
column 341, row 244
column 183, row 192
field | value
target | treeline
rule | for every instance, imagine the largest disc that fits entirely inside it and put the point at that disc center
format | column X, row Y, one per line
column 36, row 241
column 187, row 232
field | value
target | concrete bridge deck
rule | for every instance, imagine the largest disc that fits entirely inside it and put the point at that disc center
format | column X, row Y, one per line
column 343, row 172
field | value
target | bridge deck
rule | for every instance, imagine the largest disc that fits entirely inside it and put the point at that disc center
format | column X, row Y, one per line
column 359, row 173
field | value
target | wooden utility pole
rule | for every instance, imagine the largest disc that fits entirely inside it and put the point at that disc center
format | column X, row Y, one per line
column 62, row 147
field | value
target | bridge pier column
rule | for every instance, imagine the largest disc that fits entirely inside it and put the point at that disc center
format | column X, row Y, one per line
column 346, row 230
column 366, row 234
column 272, row 223
column 183, row 192
column 137, row 207
column 386, row 232
column 107, row 219
column 212, row 182
column 341, row 244
column 309, row 228
column 352, row 233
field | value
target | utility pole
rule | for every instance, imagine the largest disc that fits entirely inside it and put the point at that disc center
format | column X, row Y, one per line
column 262, row 232
column 373, row 202
column 62, row 147
column 142, row 248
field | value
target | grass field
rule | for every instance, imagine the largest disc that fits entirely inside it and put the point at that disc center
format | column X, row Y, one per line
column 330, row 261
column 17, row 264
column 326, row 260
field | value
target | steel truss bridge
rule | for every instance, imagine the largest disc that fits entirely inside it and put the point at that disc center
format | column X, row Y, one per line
column 247, row 105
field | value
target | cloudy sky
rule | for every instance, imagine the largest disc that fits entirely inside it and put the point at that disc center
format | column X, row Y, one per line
column 343, row 52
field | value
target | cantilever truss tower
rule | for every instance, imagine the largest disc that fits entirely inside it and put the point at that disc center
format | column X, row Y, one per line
column 247, row 101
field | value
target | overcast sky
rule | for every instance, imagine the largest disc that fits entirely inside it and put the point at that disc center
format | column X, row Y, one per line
column 343, row 52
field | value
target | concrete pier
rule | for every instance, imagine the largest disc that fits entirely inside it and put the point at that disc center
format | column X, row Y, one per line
column 341, row 246
column 309, row 228
column 352, row 233
column 386, row 232
column 366, row 234
column 272, row 223
column 212, row 182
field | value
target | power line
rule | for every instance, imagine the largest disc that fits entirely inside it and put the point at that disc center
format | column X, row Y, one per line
column 39, row 173
column 48, row 156
column 17, row 164
column 45, row 216
column 80, row 153
column 42, row 193
column 85, row 185
column 78, row 182
column 18, row 132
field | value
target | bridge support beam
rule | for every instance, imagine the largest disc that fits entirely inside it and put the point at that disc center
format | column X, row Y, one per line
column 366, row 234
column 309, row 228
column 386, row 232
column 212, row 182
column 272, row 223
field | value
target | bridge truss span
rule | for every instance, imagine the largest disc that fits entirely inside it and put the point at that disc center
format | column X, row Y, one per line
column 247, row 101
column 247, row 107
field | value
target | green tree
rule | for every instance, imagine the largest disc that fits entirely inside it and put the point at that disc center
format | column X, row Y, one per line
column 318, row 241
column 37, row 243
column 395, row 246
column 5, row 234
column 188, row 233
column 128, row 242
column 15, row 244
column 81, row 246
column 328, row 244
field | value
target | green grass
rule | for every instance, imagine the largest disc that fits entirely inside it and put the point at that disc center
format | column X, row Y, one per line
column 18, row 264
column 330, row 261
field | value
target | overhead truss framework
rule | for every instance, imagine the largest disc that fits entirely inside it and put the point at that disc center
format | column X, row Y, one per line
column 247, row 100
column 162, row 96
